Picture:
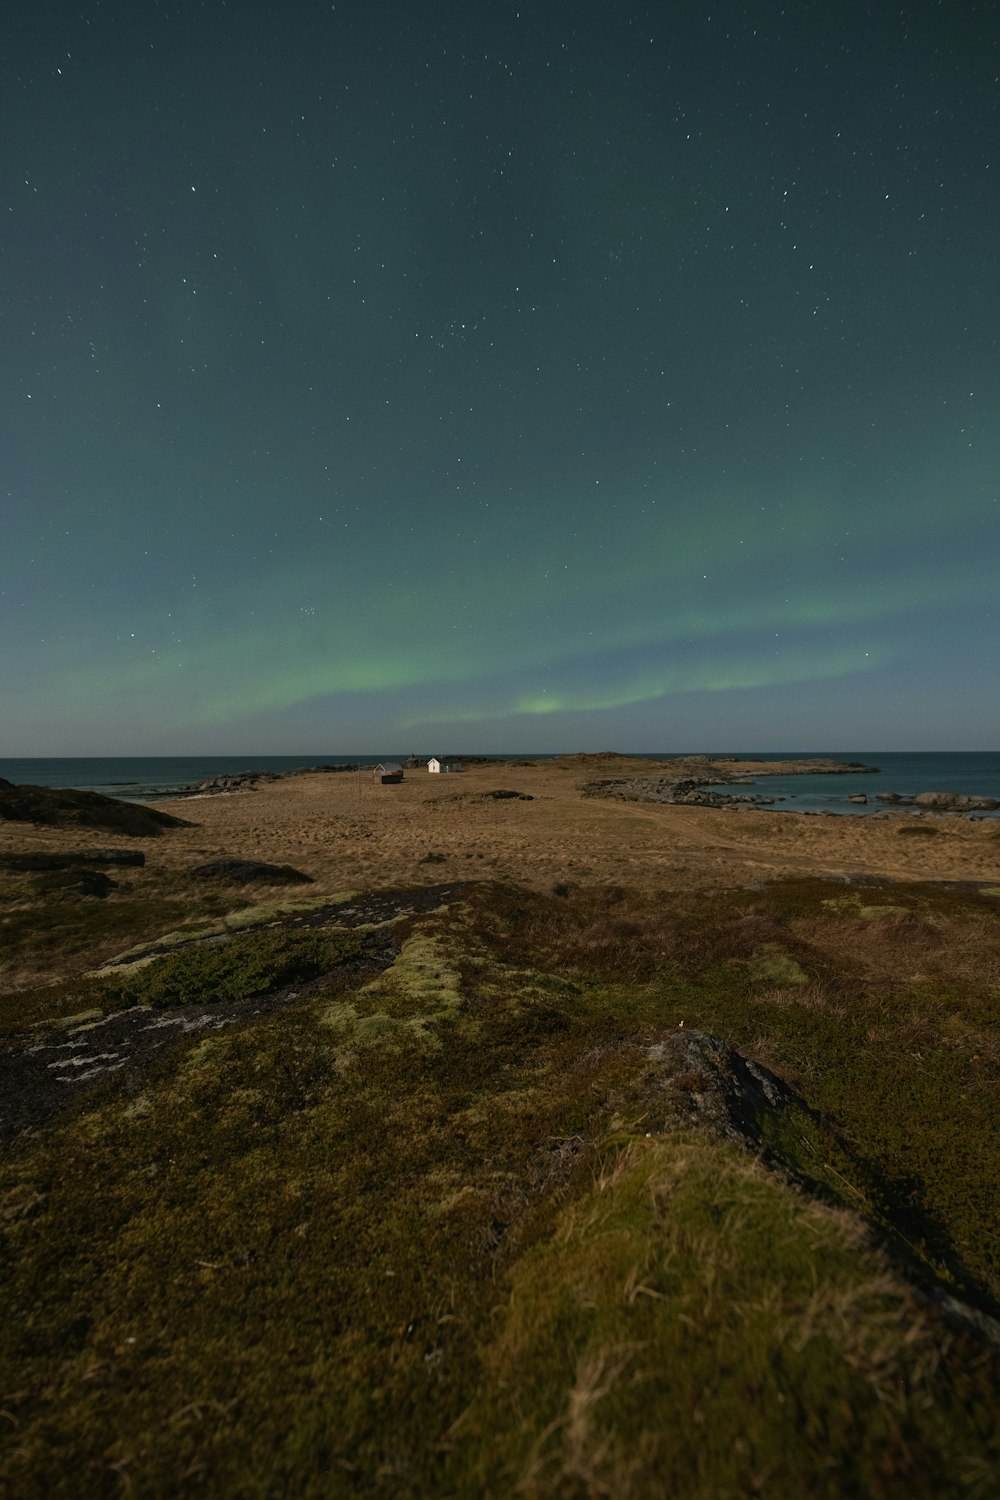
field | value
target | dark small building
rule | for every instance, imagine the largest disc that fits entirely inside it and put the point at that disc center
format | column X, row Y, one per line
column 388, row 774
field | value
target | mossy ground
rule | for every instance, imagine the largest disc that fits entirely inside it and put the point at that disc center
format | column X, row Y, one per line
column 438, row 1234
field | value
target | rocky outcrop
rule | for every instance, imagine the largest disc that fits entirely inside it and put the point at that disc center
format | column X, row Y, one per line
column 242, row 781
column 717, row 1086
column 683, row 793
column 955, row 802
column 249, row 781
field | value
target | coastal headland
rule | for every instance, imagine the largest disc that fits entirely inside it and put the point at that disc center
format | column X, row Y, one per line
column 344, row 830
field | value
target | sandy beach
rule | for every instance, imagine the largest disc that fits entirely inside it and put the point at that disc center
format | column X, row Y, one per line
column 347, row 832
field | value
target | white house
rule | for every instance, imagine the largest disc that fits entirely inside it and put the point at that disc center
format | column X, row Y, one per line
column 434, row 764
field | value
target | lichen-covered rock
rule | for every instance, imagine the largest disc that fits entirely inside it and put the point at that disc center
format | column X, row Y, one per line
column 721, row 1089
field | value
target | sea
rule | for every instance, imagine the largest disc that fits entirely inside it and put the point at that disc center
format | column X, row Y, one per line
column 157, row 778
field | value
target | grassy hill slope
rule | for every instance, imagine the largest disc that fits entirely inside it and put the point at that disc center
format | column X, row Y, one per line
column 466, row 1225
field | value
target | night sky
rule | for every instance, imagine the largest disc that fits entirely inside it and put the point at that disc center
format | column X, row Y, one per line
column 454, row 377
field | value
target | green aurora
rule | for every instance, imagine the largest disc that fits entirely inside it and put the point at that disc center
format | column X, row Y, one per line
column 628, row 376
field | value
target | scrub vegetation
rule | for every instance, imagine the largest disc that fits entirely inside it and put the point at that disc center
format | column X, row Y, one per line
column 456, row 1229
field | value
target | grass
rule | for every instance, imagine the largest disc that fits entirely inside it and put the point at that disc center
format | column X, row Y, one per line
column 448, row 1232
column 692, row 1327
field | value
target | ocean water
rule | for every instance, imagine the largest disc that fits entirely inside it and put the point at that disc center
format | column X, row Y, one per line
column 972, row 773
column 147, row 778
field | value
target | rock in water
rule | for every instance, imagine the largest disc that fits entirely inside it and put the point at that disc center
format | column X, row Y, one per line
column 955, row 802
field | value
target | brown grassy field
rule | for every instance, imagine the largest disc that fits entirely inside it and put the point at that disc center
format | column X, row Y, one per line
column 345, row 830
column 350, row 834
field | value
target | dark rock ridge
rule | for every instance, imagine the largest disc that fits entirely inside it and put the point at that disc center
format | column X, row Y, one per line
column 247, row 871
column 732, row 1097
column 64, row 807
column 818, row 767
column 70, row 860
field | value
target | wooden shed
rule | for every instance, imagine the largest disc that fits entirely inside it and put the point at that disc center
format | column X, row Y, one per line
column 389, row 773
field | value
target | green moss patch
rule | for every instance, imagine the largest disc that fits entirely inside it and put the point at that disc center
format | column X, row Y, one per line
column 234, row 921
column 774, row 967
column 245, row 964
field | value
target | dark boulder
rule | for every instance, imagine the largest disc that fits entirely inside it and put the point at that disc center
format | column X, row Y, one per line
column 93, row 883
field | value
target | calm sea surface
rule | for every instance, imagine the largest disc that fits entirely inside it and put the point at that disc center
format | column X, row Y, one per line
column 973, row 773
column 144, row 778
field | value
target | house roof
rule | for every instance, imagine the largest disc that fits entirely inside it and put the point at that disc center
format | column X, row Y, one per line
column 391, row 766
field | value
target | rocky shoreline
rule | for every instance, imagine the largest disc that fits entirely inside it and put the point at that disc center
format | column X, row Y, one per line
column 689, row 789
column 698, row 772
column 249, row 781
